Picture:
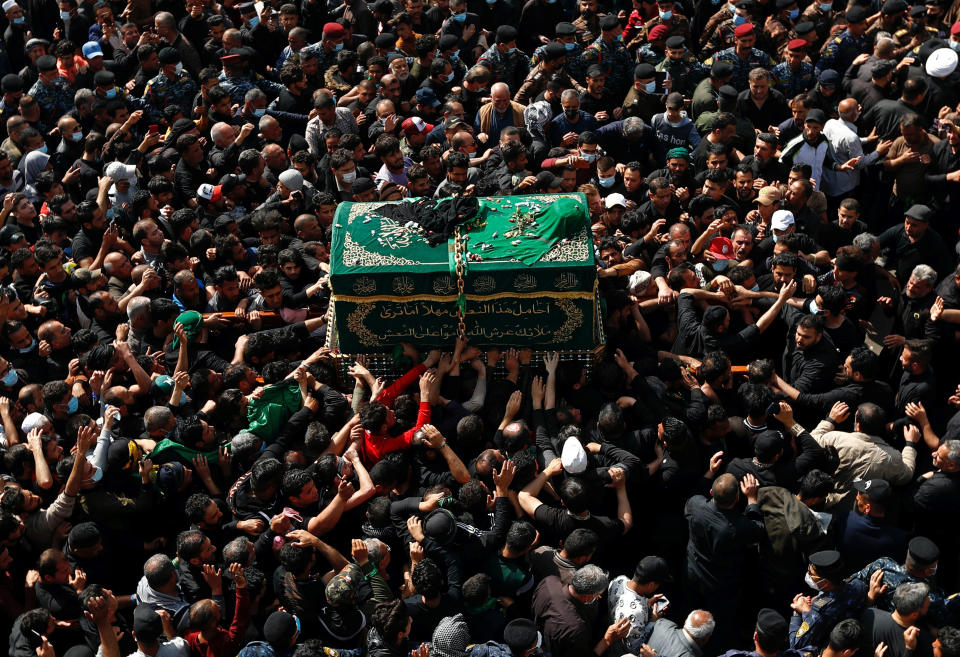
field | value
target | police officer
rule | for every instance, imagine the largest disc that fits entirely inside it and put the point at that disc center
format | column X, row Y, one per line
column 837, row 600
column 769, row 638
column 506, row 63
column 173, row 86
column 842, row 49
column 685, row 70
column 920, row 566
column 794, row 75
column 608, row 51
column 52, row 92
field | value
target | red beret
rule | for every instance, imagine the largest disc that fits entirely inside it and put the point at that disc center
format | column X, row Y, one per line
column 955, row 29
column 796, row 44
column 333, row 30
column 658, row 31
column 743, row 30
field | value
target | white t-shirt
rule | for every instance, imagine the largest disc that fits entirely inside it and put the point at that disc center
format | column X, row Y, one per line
column 626, row 603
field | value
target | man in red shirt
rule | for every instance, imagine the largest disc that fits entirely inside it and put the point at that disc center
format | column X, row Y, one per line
column 205, row 637
column 377, row 418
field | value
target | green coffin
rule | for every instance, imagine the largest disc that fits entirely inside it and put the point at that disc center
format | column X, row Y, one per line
column 529, row 282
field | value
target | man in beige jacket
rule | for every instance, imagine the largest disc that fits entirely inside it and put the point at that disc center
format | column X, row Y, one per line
column 863, row 454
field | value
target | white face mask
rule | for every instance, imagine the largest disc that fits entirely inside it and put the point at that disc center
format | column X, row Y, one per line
column 813, row 584
column 350, row 177
column 179, row 67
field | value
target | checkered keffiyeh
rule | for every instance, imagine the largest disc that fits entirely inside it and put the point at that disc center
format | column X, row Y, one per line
column 451, row 637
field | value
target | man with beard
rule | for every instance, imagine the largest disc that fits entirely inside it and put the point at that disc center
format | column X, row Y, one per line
column 106, row 315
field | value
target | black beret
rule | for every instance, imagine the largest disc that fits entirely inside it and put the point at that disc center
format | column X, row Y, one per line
column 361, row 185
column 520, row 635
column 609, row 22
column 721, row 69
column 47, row 63
column 783, row 4
column 727, row 91
column 893, row 6
column 11, row 82
column 643, row 71
column 675, row 42
column 806, row 27
column 506, row 34
column 554, row 50
column 772, row 624
column 104, row 79
column 857, row 15
column 565, row 29
column 169, row 55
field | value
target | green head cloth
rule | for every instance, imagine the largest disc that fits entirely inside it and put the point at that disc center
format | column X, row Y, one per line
column 192, row 324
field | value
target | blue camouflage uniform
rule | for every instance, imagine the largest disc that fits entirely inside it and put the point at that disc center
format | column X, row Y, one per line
column 572, row 65
column 790, row 82
column 162, row 91
column 615, row 58
column 840, row 51
column 742, row 67
column 943, row 611
column 512, row 67
column 55, row 100
column 812, row 628
column 238, row 86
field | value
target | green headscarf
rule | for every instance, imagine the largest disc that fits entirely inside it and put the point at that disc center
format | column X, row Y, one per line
column 192, row 324
column 678, row 152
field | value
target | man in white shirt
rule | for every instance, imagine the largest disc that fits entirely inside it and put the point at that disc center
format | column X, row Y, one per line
column 842, row 135
column 634, row 599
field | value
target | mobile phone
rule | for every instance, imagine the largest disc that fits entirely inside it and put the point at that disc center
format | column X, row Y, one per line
column 154, row 129
column 661, row 604
column 773, row 408
column 660, row 77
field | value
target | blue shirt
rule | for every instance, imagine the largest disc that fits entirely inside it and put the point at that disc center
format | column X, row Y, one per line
column 560, row 125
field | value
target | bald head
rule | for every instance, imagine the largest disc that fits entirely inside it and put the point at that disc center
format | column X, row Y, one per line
column 725, row 489
column 498, row 90
column 849, row 109
column 699, row 625
column 222, row 134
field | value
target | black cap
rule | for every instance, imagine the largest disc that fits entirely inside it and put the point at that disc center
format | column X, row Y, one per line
column 767, row 445
column 169, row 55
column 893, row 6
column 806, row 27
column 506, row 34
column 727, row 92
column 828, row 563
column 816, row 115
column 520, row 635
column 674, row 42
column 565, row 29
column 918, row 11
column 554, row 50
column 924, row 551
column 11, row 82
column 643, row 71
column 878, row 491
column 280, row 628
column 772, row 625
column 230, row 181
column 34, row 42
column 47, row 63
column 609, row 22
column 746, row 5
column 104, row 79
column 440, row 525
column 721, row 70
column 857, row 14
column 652, row 569
column 147, row 624
column 361, row 185
column 385, row 40
column 596, row 70
column 919, row 213
column 10, row 234
column 829, row 77
column 783, row 4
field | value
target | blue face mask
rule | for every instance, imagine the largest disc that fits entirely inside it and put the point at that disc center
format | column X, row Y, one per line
column 73, row 405
column 491, row 2
column 64, row 15
column 570, row 46
column 666, row 15
column 607, row 182
column 815, row 309
column 109, row 214
column 955, row 45
column 775, row 237
column 720, row 265
column 43, row 149
column 589, row 157
column 651, row 86
column 450, row 77
column 826, row 6
column 11, row 378
column 20, row 20
column 254, row 22
column 739, row 20
column 183, row 398
column 793, row 14
column 756, row 287
column 460, row 17
column 110, row 93
column 511, row 51
column 338, row 47
column 29, row 347
column 76, row 136
column 455, row 57
column 259, row 112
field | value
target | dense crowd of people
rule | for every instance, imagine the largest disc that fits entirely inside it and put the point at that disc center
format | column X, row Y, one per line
column 764, row 460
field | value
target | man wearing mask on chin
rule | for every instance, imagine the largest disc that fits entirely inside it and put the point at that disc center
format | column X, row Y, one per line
column 836, row 599
column 567, row 614
column 52, row 93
